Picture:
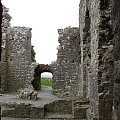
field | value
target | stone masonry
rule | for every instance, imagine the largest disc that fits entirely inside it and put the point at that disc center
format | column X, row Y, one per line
column 38, row 70
column 6, row 28
column 17, row 56
column 87, row 65
column 1, row 11
column 89, row 26
column 0, row 45
column 116, row 43
column 65, row 75
column 98, row 67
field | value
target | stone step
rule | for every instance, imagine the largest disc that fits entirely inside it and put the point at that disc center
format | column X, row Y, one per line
column 59, row 106
column 22, row 110
column 11, row 118
column 51, row 115
column 79, row 109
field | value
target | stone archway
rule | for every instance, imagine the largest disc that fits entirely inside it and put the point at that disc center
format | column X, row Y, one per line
column 37, row 75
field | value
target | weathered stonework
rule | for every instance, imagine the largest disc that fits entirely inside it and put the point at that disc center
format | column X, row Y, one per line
column 19, row 58
column 0, row 46
column 23, row 110
column 17, row 55
column 5, row 33
column 1, row 11
column 28, row 94
column 65, row 75
column 39, row 69
column 33, row 54
column 97, row 66
column 6, row 28
column 116, row 43
column 3, row 77
column 87, row 65
column 89, row 21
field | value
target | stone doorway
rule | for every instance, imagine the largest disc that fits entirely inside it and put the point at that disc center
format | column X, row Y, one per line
column 41, row 68
column 46, row 81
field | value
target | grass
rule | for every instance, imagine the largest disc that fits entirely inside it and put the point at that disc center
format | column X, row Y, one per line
column 46, row 82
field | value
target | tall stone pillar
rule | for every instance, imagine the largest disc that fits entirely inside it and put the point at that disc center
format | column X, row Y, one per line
column 19, row 58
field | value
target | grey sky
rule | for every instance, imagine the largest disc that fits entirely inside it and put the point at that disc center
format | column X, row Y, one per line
column 44, row 17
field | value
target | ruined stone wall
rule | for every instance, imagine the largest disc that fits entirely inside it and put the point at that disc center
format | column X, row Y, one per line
column 6, row 28
column 0, row 43
column 19, row 58
column 1, row 11
column 65, row 76
column 89, row 19
column 38, row 70
column 3, row 77
column 97, row 65
column 33, row 54
column 93, row 7
column 116, row 42
column 17, row 55
column 106, row 61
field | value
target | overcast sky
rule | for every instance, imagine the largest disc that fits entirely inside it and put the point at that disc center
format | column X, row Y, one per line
column 44, row 17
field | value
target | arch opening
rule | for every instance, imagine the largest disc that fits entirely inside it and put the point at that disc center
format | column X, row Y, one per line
column 46, row 80
column 40, row 71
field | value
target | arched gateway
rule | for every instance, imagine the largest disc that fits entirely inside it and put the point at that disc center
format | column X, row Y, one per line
column 37, row 75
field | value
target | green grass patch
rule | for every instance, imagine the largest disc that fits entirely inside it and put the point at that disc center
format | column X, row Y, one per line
column 46, row 81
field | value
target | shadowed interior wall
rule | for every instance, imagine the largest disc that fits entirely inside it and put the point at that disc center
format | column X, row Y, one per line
column 116, row 27
column 116, row 42
column 0, row 43
column 0, row 27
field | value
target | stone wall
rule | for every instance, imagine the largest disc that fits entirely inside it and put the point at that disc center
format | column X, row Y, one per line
column 38, row 70
column 19, row 58
column 89, row 21
column 116, row 42
column 17, row 54
column 33, row 54
column 65, row 75
column 88, row 59
column 1, row 10
column 106, row 61
column 97, row 57
column 6, row 29
column 0, row 45
column 4, row 39
column 3, row 77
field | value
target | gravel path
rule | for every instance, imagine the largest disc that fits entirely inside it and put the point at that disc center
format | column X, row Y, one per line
column 44, row 96
column 8, row 118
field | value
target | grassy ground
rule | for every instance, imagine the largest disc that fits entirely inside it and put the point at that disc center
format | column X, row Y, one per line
column 46, row 82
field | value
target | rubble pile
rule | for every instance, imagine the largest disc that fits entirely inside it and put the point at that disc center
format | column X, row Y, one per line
column 28, row 94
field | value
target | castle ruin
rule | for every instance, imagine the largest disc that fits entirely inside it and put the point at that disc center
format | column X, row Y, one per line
column 87, row 65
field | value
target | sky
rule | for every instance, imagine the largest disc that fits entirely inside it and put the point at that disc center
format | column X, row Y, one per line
column 44, row 17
